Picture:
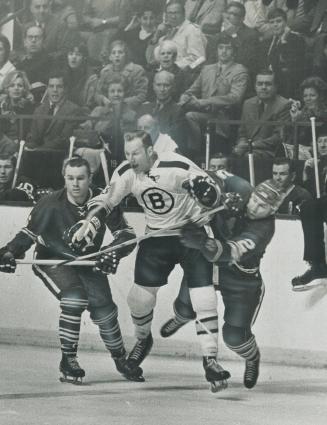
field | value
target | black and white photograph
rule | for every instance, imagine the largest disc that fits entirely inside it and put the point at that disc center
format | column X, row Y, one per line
column 163, row 212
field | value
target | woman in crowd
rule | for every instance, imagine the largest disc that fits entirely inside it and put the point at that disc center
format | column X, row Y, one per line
column 121, row 65
column 138, row 38
column 167, row 54
column 314, row 104
column 80, row 77
column 5, row 65
column 16, row 99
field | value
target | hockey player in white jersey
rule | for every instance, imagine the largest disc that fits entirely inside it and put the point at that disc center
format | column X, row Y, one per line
column 157, row 184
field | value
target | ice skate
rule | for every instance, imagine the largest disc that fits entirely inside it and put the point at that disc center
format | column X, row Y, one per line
column 215, row 374
column 127, row 370
column 71, row 370
column 315, row 276
column 139, row 352
column 170, row 327
column 251, row 373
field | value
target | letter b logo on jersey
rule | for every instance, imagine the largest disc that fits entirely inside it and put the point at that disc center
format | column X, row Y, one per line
column 158, row 200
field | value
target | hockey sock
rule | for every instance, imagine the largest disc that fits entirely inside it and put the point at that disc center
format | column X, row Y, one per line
column 204, row 303
column 141, row 301
column 234, row 338
column 106, row 318
column 70, row 323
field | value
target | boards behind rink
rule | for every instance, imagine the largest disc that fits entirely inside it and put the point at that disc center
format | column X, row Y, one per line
column 286, row 329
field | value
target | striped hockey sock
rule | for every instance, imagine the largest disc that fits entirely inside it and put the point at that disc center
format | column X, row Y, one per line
column 248, row 351
column 110, row 332
column 70, row 323
column 142, row 325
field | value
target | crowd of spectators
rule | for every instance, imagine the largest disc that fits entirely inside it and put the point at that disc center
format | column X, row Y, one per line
column 92, row 69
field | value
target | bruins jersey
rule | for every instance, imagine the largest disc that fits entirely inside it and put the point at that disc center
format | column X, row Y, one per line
column 159, row 192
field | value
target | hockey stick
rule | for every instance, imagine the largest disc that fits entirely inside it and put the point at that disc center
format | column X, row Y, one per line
column 55, row 262
column 104, row 166
column 251, row 163
column 19, row 160
column 207, row 135
column 149, row 235
column 315, row 154
column 72, row 140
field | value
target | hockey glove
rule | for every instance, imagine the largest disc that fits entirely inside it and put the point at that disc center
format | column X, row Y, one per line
column 203, row 190
column 7, row 261
column 81, row 235
column 107, row 263
column 195, row 237
column 233, row 203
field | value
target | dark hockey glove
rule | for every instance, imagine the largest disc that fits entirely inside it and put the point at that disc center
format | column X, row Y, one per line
column 81, row 235
column 233, row 203
column 203, row 190
column 7, row 261
column 195, row 237
column 107, row 263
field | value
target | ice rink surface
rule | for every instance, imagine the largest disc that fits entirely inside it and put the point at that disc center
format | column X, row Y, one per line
column 175, row 393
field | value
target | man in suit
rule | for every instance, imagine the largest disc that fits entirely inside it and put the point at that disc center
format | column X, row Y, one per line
column 53, row 133
column 283, row 53
column 169, row 114
column 216, row 93
column 189, row 39
column 208, row 14
column 267, row 105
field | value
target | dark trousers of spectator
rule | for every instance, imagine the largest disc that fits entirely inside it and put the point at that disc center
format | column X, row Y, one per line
column 313, row 216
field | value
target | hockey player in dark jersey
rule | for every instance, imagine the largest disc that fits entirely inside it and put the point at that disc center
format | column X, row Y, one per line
column 77, row 287
column 238, row 256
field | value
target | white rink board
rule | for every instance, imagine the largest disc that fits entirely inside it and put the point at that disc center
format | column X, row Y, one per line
column 287, row 321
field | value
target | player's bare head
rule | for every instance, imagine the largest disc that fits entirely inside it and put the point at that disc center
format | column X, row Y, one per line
column 149, row 124
column 77, row 175
column 264, row 200
column 283, row 173
column 219, row 161
column 163, row 85
column 7, row 167
column 139, row 151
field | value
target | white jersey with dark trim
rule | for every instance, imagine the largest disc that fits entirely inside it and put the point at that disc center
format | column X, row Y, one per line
column 159, row 192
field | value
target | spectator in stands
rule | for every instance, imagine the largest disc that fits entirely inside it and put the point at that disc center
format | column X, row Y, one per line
column 267, row 105
column 139, row 37
column 53, row 132
column 121, row 65
column 207, row 14
column 216, row 94
column 319, row 66
column 308, row 168
column 80, row 76
column 56, row 33
column 314, row 96
column 168, row 113
column 284, row 54
column 16, row 100
column 62, row 9
column 167, row 54
column 5, row 65
column 283, row 175
column 190, row 40
column 219, row 161
column 35, row 61
column 7, row 146
column 161, row 142
column 318, row 10
column 116, row 118
column 24, row 190
column 245, row 38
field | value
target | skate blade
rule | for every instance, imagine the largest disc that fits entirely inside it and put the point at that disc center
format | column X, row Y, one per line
column 71, row 380
column 308, row 287
column 135, row 378
column 217, row 386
